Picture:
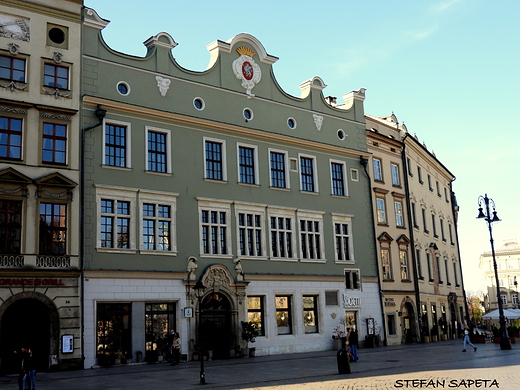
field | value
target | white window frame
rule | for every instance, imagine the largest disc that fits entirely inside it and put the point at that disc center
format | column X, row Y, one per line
column 168, row 148
column 404, row 266
column 396, row 180
column 342, row 219
column 159, row 198
column 218, row 206
column 399, row 217
column 378, row 170
column 117, row 194
column 128, row 138
column 311, row 216
column 349, row 272
column 314, row 173
column 256, row 177
column 286, row 168
column 389, row 264
column 255, row 209
column 224, row 158
column 275, row 212
column 383, row 210
column 344, row 174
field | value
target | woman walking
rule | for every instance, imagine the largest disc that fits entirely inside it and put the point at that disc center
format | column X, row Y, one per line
column 467, row 340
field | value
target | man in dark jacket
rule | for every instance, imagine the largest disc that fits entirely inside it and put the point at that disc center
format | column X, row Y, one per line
column 21, row 355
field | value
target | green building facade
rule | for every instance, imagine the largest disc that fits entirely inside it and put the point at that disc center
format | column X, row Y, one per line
column 220, row 177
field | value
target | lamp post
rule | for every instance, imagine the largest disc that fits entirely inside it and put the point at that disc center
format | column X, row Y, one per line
column 505, row 343
column 199, row 289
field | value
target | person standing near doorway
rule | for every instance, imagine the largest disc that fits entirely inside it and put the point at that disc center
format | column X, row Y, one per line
column 176, row 350
column 353, row 342
column 20, row 356
column 29, row 367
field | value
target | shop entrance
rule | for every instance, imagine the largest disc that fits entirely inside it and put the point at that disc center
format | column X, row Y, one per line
column 26, row 322
column 216, row 325
column 408, row 323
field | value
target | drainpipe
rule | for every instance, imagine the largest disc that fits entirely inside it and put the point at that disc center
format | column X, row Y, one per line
column 412, row 239
column 100, row 114
column 364, row 162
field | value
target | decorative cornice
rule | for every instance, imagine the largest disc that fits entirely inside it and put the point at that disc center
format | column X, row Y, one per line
column 49, row 115
column 13, row 110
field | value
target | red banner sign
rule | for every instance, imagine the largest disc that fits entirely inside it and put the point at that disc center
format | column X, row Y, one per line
column 30, row 282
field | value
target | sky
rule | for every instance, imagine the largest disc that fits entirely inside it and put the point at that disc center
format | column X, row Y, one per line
column 448, row 69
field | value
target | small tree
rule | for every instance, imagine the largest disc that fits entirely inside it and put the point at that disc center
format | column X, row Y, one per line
column 249, row 331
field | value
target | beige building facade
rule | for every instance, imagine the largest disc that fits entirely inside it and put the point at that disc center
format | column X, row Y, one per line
column 40, row 283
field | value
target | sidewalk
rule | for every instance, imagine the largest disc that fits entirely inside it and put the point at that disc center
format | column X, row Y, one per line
column 314, row 370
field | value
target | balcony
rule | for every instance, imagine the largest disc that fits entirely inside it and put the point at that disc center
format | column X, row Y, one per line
column 40, row 262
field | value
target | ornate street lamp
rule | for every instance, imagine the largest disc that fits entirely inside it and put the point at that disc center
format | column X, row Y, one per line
column 505, row 343
column 199, row 289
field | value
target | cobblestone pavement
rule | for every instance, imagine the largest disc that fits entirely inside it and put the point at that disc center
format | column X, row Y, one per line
column 439, row 365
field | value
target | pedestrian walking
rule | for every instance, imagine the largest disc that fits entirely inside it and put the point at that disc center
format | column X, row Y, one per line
column 20, row 356
column 176, row 350
column 171, row 336
column 353, row 342
column 29, row 367
column 467, row 340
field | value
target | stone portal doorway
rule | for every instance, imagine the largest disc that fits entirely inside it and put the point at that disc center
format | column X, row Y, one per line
column 408, row 323
column 26, row 322
column 216, row 325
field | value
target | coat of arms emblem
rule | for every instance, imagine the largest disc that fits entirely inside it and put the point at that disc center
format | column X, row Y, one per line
column 247, row 70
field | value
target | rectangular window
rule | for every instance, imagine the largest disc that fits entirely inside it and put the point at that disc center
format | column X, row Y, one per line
column 419, row 265
column 403, row 260
column 414, row 216
column 214, row 160
column 53, row 228
column 503, row 298
column 385, row 261
column 255, row 313
column 352, row 280
column 307, row 174
column 515, row 299
column 399, row 220
column 214, row 231
column 278, row 169
column 115, row 145
column 378, row 173
column 446, row 195
column 438, row 189
column 338, row 179
column 159, row 319
column 430, row 183
column 56, row 76
column 281, row 237
column 54, row 143
column 157, row 152
column 12, row 69
column 390, row 320
column 10, row 226
column 246, row 162
column 455, row 275
column 419, row 174
column 381, row 212
column 310, row 236
column 448, row 282
column 395, row 175
column 409, row 162
column 115, row 224
column 331, row 298
column 343, row 244
column 442, row 230
column 451, row 234
column 250, row 234
column 10, row 138
column 425, row 225
column 439, row 273
column 157, row 223
column 434, row 226
column 283, row 314
column 430, row 268
column 310, row 313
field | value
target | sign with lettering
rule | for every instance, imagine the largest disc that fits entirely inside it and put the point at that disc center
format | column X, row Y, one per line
column 389, row 302
column 34, row 282
column 351, row 301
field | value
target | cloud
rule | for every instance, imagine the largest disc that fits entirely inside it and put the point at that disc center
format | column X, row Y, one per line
column 424, row 34
column 440, row 7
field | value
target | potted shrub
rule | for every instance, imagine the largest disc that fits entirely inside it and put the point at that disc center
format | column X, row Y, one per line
column 339, row 337
column 249, row 333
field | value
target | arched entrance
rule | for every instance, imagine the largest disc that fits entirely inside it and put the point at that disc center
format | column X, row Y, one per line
column 408, row 325
column 216, row 325
column 25, row 322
